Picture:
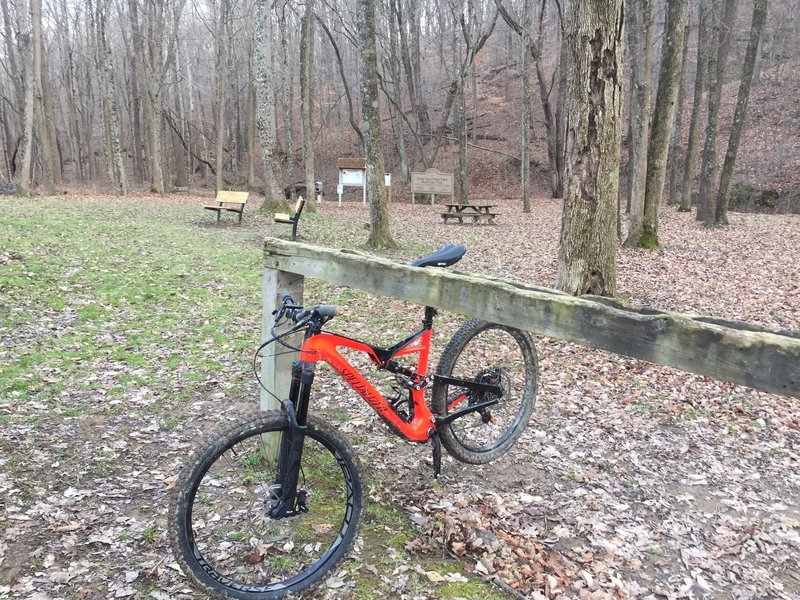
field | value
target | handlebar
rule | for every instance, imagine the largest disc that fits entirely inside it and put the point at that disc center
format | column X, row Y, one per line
column 296, row 312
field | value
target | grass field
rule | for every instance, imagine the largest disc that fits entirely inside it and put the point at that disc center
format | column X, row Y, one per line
column 127, row 329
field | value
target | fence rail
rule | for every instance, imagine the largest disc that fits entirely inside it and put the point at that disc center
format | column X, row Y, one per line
column 727, row 350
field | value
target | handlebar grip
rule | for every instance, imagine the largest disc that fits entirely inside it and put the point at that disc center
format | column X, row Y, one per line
column 286, row 298
column 329, row 310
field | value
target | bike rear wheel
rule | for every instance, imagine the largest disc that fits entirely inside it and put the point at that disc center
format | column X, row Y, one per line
column 491, row 354
column 219, row 526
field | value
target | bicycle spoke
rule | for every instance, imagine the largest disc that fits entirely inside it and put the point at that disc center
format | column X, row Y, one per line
column 489, row 355
column 231, row 522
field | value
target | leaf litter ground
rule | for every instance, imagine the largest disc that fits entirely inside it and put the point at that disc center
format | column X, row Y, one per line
column 127, row 330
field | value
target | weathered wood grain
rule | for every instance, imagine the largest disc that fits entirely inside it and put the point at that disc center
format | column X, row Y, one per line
column 728, row 350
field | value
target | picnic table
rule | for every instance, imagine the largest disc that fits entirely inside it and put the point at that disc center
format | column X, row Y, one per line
column 478, row 212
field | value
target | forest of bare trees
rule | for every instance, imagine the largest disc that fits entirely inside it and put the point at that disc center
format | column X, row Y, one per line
column 249, row 94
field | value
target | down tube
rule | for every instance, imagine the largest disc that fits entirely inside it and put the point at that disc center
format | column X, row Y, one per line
column 323, row 347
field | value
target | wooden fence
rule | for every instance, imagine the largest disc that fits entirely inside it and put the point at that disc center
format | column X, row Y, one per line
column 727, row 350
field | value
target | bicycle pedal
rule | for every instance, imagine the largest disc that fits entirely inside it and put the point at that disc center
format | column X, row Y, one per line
column 436, row 446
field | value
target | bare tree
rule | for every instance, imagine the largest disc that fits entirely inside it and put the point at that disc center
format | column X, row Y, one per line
column 10, row 124
column 474, row 45
column 108, row 100
column 265, row 100
column 551, row 115
column 525, row 108
column 307, row 96
column 588, row 243
column 689, row 164
column 676, row 154
column 748, row 67
column 287, row 96
column 716, row 71
column 26, row 52
column 48, row 135
column 639, row 22
column 666, row 97
column 408, row 21
column 346, row 87
column 153, row 54
column 221, row 71
column 380, row 236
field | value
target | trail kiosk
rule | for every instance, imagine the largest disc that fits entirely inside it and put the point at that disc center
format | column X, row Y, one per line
column 352, row 173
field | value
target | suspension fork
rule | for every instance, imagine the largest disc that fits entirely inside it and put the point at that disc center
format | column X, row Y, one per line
column 285, row 499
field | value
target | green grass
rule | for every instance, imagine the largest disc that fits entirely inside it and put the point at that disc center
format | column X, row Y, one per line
column 117, row 282
column 104, row 303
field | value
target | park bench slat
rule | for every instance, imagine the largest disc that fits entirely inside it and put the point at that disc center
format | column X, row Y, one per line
column 235, row 202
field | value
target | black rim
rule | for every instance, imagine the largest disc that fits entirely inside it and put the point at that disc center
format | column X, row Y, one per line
column 460, row 433
column 306, row 576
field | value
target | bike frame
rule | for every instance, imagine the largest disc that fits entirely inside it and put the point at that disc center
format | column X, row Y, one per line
column 324, row 347
column 319, row 346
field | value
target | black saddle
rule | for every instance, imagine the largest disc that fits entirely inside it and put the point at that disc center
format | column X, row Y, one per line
column 447, row 255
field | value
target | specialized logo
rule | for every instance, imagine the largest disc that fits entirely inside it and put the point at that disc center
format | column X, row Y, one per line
column 374, row 399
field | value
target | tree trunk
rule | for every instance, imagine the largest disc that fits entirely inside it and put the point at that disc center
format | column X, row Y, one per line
column 663, row 117
column 220, row 71
column 408, row 25
column 107, row 90
column 49, row 121
column 561, row 122
column 525, row 114
column 716, row 70
column 380, row 236
column 45, row 145
column 588, row 243
column 748, row 67
column 180, row 139
column 265, row 101
column 154, row 54
column 676, row 155
column 287, row 98
column 235, row 144
column 461, row 112
column 137, row 39
column 640, row 33
column 395, row 94
column 689, row 164
column 307, row 98
column 26, row 52
column 251, row 119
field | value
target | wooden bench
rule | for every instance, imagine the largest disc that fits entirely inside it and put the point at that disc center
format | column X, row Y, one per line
column 230, row 201
column 292, row 219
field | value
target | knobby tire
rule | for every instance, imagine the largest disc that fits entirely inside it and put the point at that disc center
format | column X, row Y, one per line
column 254, row 557
column 495, row 354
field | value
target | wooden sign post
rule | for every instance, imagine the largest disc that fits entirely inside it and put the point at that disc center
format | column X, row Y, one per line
column 431, row 182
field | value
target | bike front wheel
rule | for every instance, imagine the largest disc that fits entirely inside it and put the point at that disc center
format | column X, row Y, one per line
column 219, row 524
column 496, row 355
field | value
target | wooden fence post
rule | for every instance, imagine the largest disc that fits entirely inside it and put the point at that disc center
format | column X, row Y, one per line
column 276, row 364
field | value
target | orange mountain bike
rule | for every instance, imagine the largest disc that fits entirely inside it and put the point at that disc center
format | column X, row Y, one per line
column 270, row 505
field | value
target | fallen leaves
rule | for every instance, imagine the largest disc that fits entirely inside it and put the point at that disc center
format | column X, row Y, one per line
column 632, row 480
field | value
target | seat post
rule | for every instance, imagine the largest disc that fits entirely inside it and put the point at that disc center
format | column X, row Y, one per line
column 427, row 320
